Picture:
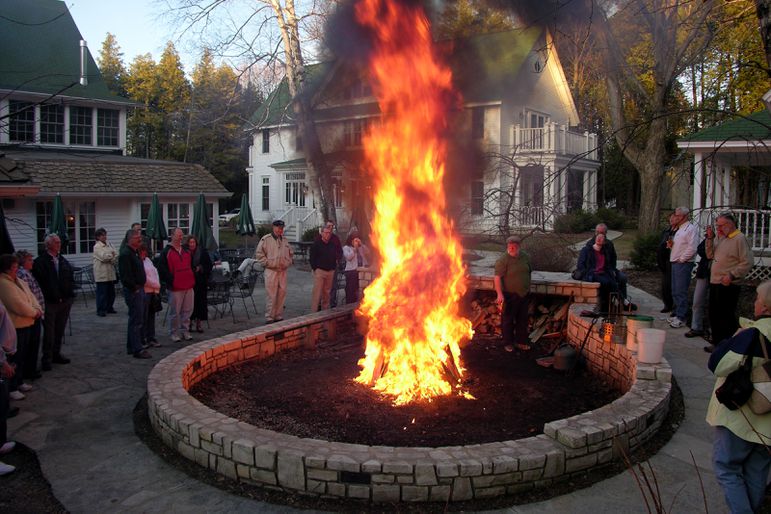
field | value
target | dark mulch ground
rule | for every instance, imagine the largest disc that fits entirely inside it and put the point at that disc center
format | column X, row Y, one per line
column 312, row 393
column 26, row 490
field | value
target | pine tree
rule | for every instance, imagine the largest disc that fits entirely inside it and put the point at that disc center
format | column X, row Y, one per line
column 110, row 62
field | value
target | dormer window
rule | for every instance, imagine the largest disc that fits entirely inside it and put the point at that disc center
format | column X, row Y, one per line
column 52, row 124
column 359, row 89
column 265, row 140
column 477, row 123
column 107, row 126
column 353, row 132
column 81, row 123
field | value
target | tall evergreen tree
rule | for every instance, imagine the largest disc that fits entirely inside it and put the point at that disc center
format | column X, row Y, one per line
column 110, row 61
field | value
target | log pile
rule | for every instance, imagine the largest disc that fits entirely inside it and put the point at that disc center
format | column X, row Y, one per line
column 547, row 318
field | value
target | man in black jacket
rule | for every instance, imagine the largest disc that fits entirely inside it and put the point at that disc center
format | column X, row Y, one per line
column 132, row 276
column 55, row 275
column 323, row 259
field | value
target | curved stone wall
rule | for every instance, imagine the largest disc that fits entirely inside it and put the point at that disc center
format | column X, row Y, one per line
column 386, row 474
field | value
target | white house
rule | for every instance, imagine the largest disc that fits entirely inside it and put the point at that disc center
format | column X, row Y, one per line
column 63, row 133
column 517, row 110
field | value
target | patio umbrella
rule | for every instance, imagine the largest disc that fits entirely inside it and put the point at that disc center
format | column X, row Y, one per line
column 156, row 228
column 245, row 220
column 58, row 224
column 201, row 228
column 6, row 245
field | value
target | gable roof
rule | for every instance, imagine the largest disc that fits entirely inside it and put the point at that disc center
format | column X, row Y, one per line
column 484, row 68
column 41, row 52
column 755, row 127
column 111, row 174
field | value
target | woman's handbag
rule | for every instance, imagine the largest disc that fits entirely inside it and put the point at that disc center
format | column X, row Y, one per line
column 737, row 387
column 155, row 303
column 760, row 399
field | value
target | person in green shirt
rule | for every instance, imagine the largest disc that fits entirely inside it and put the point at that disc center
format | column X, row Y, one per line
column 512, row 285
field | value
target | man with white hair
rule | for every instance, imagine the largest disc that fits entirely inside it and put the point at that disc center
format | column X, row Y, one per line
column 682, row 254
column 55, row 275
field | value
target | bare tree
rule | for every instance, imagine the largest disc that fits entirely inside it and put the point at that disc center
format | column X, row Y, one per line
column 268, row 33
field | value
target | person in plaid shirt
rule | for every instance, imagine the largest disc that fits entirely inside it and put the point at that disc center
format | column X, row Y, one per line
column 30, row 370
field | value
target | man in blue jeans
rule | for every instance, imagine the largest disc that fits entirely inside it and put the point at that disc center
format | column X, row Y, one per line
column 683, row 250
column 133, row 278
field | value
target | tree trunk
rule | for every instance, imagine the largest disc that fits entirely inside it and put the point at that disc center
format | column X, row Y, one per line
column 763, row 10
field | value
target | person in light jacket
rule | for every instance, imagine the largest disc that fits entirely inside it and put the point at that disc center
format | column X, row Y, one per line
column 741, row 457
column 275, row 255
column 356, row 256
column 152, row 290
column 105, row 259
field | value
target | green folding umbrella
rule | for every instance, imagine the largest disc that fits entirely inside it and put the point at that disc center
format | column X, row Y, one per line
column 201, row 228
column 245, row 225
column 156, row 228
column 58, row 224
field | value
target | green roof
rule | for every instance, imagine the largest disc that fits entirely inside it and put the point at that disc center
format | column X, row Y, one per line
column 485, row 67
column 40, row 52
column 755, row 127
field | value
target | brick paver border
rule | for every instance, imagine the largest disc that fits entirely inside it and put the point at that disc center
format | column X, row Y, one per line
column 410, row 474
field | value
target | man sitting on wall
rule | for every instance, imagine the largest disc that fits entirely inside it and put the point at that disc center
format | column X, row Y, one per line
column 621, row 279
column 597, row 264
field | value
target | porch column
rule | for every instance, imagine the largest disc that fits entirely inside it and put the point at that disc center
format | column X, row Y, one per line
column 586, row 183
column 710, row 178
column 551, row 201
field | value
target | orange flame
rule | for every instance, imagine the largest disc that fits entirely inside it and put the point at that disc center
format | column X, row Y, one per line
column 414, row 325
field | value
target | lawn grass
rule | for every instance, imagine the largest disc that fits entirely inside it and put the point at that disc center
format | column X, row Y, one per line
column 625, row 243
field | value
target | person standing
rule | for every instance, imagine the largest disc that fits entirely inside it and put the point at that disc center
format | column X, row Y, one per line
column 152, row 295
column 25, row 273
column 55, row 275
column 512, row 286
column 701, row 292
column 105, row 258
column 24, row 310
column 275, row 255
column 7, row 347
column 356, row 256
column 740, row 455
column 338, row 260
column 132, row 276
column 731, row 261
column 665, row 266
column 175, row 268
column 202, row 266
column 323, row 261
column 681, row 256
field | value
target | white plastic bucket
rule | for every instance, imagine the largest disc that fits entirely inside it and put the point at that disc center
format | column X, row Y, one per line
column 633, row 324
column 650, row 345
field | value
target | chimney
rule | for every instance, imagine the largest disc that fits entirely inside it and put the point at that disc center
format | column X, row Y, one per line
column 83, row 62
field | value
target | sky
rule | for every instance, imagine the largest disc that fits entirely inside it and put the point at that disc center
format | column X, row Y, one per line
column 138, row 26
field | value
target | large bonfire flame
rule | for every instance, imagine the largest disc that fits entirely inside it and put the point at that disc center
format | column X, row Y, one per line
column 414, row 325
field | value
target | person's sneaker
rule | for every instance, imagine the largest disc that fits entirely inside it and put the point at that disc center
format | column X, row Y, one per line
column 6, row 468
column 154, row 343
column 508, row 348
column 175, row 338
column 672, row 319
column 25, row 388
column 16, row 395
column 676, row 323
column 187, row 337
column 144, row 354
column 7, row 447
column 694, row 333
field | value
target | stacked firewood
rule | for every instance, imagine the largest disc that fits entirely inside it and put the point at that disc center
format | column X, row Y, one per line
column 547, row 318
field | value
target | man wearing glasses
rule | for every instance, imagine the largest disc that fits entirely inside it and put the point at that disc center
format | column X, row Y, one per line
column 731, row 261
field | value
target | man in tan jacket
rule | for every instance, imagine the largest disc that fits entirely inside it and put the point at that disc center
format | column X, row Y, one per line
column 731, row 261
column 275, row 255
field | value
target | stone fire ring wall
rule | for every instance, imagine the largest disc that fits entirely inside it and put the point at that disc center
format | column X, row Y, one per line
column 274, row 460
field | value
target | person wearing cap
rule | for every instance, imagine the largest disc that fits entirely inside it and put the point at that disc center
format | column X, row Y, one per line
column 275, row 254
column 512, row 285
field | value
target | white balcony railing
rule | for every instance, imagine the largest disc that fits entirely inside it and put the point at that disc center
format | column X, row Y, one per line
column 554, row 138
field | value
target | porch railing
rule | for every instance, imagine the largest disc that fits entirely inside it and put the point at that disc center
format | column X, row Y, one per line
column 754, row 224
column 311, row 220
column 554, row 138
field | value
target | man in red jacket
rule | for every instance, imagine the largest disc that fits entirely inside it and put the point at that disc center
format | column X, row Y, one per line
column 176, row 272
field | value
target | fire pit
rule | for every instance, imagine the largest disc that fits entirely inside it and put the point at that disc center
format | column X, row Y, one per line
column 394, row 473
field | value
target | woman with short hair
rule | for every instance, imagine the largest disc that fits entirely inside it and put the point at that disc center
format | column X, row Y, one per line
column 105, row 258
column 29, row 369
column 24, row 309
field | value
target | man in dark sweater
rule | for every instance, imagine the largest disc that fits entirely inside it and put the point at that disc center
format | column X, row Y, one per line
column 56, row 278
column 323, row 259
column 132, row 276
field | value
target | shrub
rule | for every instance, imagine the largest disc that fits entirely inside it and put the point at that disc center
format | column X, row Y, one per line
column 549, row 256
column 310, row 235
column 575, row 222
column 614, row 219
column 263, row 230
column 644, row 252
